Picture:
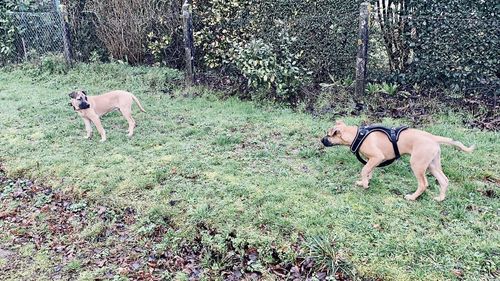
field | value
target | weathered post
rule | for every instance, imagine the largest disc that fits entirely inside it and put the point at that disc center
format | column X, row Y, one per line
column 63, row 15
column 497, row 91
column 23, row 42
column 187, row 21
column 362, row 57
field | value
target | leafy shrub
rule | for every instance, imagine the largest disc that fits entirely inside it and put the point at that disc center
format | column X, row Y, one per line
column 450, row 44
column 388, row 88
column 7, row 31
column 276, row 70
column 219, row 25
column 456, row 43
column 157, row 45
column 325, row 40
column 372, row 88
column 53, row 64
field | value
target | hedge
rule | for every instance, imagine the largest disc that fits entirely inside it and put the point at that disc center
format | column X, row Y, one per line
column 310, row 40
column 457, row 44
column 451, row 44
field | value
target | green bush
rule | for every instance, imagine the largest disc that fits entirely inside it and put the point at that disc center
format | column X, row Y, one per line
column 452, row 44
column 7, row 31
column 273, row 69
column 53, row 64
column 388, row 88
column 228, row 32
column 457, row 43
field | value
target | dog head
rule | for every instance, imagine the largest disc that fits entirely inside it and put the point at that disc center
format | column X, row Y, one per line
column 79, row 100
column 334, row 135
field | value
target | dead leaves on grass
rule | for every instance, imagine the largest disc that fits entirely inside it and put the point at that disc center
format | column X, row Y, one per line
column 78, row 236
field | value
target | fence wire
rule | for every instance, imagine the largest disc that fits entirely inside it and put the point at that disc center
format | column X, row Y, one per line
column 38, row 33
column 38, row 29
column 326, row 37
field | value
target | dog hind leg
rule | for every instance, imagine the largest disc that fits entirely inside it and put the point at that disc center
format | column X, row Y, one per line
column 131, row 122
column 419, row 163
column 437, row 171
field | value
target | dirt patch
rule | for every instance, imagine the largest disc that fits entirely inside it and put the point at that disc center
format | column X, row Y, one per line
column 491, row 187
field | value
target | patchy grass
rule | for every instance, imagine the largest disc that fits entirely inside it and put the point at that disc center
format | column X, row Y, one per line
column 236, row 177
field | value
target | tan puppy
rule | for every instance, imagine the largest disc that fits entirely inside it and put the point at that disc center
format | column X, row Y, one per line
column 422, row 146
column 91, row 108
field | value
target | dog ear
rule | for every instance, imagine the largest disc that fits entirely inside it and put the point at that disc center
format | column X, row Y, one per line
column 72, row 95
column 338, row 131
column 85, row 95
column 333, row 131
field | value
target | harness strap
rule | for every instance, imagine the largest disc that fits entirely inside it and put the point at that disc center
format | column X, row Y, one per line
column 392, row 134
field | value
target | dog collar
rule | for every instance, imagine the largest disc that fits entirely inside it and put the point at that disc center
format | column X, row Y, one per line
column 364, row 131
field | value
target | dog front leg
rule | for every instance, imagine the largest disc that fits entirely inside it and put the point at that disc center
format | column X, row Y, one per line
column 367, row 171
column 98, row 125
column 88, row 128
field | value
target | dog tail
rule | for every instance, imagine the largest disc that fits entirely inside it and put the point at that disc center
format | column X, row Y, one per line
column 448, row 141
column 138, row 103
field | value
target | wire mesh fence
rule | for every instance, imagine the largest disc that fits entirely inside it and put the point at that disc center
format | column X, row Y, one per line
column 319, row 36
column 39, row 30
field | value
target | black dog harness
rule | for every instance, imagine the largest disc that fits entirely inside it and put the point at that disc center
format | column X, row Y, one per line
column 364, row 131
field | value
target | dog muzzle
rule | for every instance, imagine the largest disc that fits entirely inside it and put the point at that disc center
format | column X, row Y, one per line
column 326, row 142
column 84, row 105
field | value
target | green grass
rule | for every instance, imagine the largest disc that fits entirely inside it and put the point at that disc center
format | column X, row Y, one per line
column 256, row 171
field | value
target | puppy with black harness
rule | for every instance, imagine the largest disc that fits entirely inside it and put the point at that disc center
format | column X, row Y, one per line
column 381, row 146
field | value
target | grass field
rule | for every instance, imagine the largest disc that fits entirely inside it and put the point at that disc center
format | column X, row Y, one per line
column 217, row 170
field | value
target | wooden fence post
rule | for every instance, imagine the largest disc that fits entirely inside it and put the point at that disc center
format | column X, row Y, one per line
column 23, row 41
column 362, row 57
column 63, row 14
column 187, row 21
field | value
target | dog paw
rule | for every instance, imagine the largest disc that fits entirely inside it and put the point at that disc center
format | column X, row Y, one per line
column 439, row 198
column 363, row 185
column 103, row 140
column 410, row 197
